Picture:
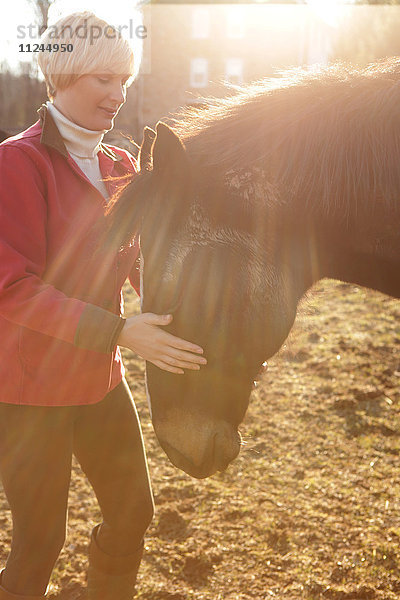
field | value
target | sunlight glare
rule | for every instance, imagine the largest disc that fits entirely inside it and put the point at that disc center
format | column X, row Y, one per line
column 328, row 10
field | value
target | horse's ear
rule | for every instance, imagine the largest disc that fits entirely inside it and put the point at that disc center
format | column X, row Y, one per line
column 169, row 154
column 145, row 161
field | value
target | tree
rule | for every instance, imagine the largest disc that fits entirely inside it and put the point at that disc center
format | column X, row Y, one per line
column 41, row 8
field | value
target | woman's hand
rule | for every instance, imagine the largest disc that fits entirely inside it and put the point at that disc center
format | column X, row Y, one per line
column 143, row 335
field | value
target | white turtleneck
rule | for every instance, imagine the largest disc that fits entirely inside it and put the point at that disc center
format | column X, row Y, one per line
column 82, row 145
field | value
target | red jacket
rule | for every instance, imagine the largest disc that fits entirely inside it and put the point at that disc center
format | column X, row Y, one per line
column 60, row 293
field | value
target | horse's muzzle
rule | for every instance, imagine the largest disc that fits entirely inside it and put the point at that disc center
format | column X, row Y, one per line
column 221, row 448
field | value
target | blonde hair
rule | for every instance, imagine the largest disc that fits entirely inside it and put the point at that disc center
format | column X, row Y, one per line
column 97, row 46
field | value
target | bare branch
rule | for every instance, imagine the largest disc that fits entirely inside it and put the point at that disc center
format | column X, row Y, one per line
column 41, row 8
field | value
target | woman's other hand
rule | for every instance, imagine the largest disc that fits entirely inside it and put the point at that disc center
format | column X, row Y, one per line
column 142, row 334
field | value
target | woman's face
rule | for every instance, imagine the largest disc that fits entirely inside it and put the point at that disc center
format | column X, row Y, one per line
column 93, row 101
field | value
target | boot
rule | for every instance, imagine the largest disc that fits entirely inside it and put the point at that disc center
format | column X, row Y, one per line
column 5, row 595
column 111, row 577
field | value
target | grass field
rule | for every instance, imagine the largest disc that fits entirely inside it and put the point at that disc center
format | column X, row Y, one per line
column 311, row 508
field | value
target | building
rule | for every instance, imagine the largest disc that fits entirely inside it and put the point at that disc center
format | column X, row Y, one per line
column 192, row 51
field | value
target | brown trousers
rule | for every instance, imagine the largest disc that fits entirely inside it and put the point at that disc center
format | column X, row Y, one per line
column 36, row 448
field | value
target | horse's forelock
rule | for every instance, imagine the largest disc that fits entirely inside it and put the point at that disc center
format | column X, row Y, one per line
column 126, row 210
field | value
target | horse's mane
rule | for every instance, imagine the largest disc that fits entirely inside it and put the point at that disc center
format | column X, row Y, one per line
column 322, row 141
column 330, row 138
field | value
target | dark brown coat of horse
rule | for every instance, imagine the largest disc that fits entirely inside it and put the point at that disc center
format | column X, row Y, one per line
column 241, row 207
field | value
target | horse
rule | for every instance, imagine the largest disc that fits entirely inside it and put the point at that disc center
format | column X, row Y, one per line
column 241, row 206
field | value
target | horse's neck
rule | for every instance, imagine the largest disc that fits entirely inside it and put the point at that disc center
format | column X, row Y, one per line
column 368, row 254
column 358, row 244
column 365, row 252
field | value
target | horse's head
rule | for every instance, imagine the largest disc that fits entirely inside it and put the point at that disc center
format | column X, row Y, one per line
column 225, row 293
column 277, row 185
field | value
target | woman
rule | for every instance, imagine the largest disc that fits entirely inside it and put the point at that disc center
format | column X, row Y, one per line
column 62, row 387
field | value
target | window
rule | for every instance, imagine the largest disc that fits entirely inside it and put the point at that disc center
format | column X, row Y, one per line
column 200, row 23
column 235, row 22
column 234, row 70
column 199, row 72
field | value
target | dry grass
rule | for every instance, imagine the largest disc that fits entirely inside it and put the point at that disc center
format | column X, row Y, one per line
column 310, row 510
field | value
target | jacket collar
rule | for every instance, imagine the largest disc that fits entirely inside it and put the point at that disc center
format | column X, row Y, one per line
column 51, row 136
